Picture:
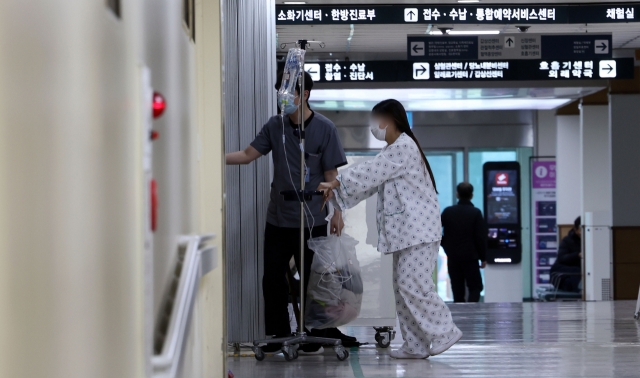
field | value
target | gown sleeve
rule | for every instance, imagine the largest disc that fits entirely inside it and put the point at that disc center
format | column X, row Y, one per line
column 362, row 181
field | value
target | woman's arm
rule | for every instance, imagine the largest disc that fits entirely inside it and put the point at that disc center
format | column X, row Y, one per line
column 337, row 223
column 360, row 182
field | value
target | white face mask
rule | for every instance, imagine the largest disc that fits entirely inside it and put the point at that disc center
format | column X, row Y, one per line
column 377, row 132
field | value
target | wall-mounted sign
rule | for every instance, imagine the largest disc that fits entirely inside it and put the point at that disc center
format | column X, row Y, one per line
column 465, row 70
column 456, row 14
column 543, row 221
column 509, row 47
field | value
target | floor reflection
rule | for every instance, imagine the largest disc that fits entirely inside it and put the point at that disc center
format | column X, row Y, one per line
column 571, row 339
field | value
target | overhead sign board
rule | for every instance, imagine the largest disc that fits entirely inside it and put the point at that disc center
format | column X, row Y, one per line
column 458, row 14
column 448, row 47
column 510, row 47
column 476, row 70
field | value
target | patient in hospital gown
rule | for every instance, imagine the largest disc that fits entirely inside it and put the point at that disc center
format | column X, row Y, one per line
column 408, row 226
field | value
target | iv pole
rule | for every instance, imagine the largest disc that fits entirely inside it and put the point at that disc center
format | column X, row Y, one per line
column 291, row 344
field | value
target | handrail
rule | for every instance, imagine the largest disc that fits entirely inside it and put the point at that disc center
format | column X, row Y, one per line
column 197, row 262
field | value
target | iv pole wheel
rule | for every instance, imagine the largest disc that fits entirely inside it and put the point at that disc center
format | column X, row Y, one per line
column 342, row 353
column 290, row 353
column 259, row 353
column 383, row 340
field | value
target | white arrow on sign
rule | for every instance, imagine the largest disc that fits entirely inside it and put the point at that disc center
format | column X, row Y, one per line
column 314, row 70
column 420, row 71
column 410, row 14
column 608, row 69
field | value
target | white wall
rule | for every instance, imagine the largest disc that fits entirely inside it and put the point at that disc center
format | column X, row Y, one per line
column 170, row 55
column 72, row 185
column 596, row 162
column 625, row 155
column 568, row 168
column 546, row 133
column 71, row 285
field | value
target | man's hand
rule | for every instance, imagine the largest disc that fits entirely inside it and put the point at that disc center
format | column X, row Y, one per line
column 483, row 264
column 337, row 224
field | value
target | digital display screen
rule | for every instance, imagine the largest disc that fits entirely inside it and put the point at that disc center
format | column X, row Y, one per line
column 502, row 238
column 502, row 200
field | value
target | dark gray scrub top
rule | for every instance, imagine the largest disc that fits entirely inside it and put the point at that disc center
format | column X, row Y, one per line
column 325, row 154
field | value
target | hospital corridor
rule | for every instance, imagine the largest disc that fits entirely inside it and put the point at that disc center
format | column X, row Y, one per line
column 319, row 188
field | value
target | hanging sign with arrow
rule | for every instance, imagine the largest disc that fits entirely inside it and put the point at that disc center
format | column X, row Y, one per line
column 510, row 46
column 416, row 49
column 337, row 73
column 576, row 46
column 442, row 48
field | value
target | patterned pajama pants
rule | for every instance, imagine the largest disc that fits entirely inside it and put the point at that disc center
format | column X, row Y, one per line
column 424, row 318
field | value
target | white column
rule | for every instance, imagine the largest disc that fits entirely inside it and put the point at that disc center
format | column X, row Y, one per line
column 625, row 159
column 546, row 135
column 503, row 283
column 595, row 167
column 568, row 168
column 625, row 181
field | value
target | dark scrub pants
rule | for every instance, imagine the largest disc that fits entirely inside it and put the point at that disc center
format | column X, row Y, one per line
column 280, row 243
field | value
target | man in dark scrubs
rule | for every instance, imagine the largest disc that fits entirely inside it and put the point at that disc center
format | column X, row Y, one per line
column 324, row 154
column 465, row 243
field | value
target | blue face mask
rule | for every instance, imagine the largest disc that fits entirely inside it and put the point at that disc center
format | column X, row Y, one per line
column 290, row 109
column 289, row 106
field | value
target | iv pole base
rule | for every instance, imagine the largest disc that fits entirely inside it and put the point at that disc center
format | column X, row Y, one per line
column 291, row 344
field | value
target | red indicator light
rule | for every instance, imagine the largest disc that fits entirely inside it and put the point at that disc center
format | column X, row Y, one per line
column 159, row 104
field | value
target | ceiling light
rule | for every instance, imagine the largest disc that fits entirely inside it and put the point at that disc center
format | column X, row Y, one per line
column 467, row 32
column 294, row 2
column 421, row 99
column 468, row 1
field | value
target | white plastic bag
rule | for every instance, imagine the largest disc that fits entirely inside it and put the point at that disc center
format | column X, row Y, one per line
column 334, row 294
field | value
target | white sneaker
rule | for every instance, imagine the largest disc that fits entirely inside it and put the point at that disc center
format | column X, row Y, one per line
column 401, row 354
column 444, row 347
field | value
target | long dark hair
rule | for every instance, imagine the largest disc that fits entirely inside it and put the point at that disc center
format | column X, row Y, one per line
column 394, row 110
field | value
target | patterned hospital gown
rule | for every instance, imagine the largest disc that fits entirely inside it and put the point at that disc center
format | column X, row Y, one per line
column 408, row 219
column 408, row 212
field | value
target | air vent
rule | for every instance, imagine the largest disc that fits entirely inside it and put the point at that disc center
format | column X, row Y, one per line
column 164, row 318
column 114, row 5
column 606, row 289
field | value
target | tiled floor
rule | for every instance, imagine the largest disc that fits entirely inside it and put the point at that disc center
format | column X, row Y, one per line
column 571, row 339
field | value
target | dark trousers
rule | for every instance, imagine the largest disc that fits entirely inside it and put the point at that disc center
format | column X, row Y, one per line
column 461, row 272
column 280, row 244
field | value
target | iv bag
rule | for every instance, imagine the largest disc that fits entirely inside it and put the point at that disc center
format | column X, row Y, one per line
column 292, row 70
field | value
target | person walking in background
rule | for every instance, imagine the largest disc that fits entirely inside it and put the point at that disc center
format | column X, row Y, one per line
column 465, row 243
